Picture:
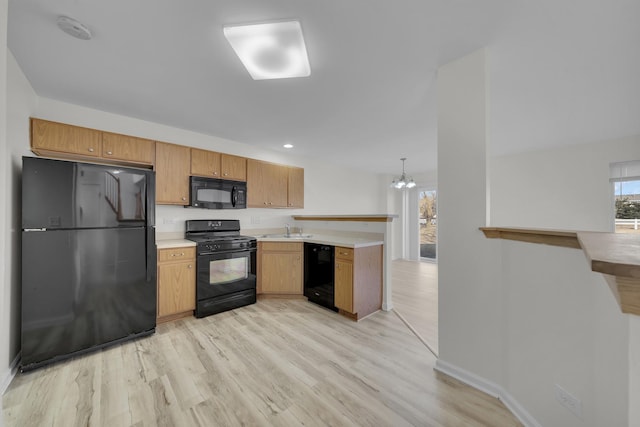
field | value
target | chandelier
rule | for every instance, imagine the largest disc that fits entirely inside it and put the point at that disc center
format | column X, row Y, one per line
column 403, row 181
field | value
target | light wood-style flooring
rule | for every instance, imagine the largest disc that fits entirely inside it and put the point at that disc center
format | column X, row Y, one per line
column 415, row 298
column 274, row 363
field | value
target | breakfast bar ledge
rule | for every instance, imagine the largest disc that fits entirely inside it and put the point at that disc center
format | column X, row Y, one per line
column 616, row 256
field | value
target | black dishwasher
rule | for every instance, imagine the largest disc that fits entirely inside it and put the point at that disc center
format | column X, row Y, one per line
column 318, row 274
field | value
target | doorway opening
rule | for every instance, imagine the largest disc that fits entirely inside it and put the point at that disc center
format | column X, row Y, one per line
column 428, row 227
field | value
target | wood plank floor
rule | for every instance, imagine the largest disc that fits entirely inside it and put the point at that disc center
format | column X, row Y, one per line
column 415, row 298
column 274, row 363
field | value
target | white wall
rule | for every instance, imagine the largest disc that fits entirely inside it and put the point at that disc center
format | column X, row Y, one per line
column 564, row 188
column 22, row 102
column 517, row 318
column 470, row 298
column 5, row 295
column 328, row 190
column 563, row 326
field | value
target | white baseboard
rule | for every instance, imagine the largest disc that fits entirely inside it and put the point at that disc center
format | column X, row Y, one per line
column 490, row 388
column 9, row 374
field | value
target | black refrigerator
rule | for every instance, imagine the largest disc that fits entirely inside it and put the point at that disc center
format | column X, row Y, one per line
column 88, row 258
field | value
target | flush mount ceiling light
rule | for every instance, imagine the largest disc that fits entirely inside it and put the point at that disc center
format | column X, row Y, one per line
column 270, row 51
column 403, row 181
column 73, row 28
column 288, row 145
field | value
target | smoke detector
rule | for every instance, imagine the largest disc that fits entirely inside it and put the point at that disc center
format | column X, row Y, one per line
column 73, row 28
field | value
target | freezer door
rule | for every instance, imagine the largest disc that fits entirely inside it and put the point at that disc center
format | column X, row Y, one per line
column 60, row 195
column 84, row 288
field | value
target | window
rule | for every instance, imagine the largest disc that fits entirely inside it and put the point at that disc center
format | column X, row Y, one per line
column 427, row 205
column 626, row 189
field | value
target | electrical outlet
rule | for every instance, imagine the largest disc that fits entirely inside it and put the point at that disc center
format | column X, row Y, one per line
column 170, row 220
column 569, row 401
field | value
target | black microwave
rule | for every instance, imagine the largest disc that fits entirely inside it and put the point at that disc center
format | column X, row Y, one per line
column 210, row 193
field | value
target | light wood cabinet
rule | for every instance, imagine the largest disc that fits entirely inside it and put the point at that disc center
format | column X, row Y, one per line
column 280, row 268
column 173, row 166
column 205, row 163
column 233, row 167
column 295, row 187
column 218, row 165
column 176, row 283
column 128, row 148
column 55, row 139
column 358, row 280
column 266, row 184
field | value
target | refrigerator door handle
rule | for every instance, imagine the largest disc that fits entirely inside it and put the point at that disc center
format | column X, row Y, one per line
column 34, row 229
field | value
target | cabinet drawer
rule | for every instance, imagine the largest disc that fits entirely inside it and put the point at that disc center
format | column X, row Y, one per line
column 281, row 246
column 176, row 254
column 344, row 253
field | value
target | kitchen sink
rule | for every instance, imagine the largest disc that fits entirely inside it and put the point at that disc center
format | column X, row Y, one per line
column 284, row 236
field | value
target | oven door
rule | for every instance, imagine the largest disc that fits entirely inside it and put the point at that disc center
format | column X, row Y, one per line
column 224, row 273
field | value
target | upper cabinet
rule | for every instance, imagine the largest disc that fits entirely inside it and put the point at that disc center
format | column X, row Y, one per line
column 274, row 186
column 173, row 165
column 269, row 185
column 49, row 138
column 128, row 148
column 295, row 188
column 266, row 184
column 218, row 165
column 233, row 167
column 67, row 141
column 205, row 163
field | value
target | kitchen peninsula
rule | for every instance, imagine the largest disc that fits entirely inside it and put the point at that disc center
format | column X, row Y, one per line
column 360, row 267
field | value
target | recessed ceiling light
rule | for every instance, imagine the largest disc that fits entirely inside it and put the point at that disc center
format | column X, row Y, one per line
column 288, row 145
column 270, row 51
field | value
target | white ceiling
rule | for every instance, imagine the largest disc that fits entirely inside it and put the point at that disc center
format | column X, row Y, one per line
column 562, row 71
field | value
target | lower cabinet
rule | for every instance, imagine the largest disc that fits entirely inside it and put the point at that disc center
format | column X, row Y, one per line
column 176, row 283
column 280, row 268
column 358, row 280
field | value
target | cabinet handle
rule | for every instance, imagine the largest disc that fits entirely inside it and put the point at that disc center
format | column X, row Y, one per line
column 225, row 174
column 215, row 173
column 91, row 150
column 178, row 254
column 109, row 153
column 184, row 198
column 190, row 266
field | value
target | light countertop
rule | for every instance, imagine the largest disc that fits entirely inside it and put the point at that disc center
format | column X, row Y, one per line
column 174, row 243
column 328, row 239
column 322, row 239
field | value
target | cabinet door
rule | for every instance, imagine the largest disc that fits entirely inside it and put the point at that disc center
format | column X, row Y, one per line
column 46, row 135
column 205, row 163
column 123, row 147
column 233, row 167
column 173, row 163
column 176, row 288
column 295, row 188
column 277, row 178
column 281, row 273
column 266, row 184
column 256, row 184
column 343, row 292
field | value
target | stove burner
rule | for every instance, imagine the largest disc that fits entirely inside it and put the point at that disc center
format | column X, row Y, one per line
column 218, row 236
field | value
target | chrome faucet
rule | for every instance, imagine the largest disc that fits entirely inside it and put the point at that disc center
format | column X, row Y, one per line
column 288, row 228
